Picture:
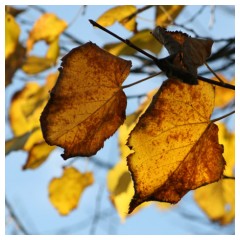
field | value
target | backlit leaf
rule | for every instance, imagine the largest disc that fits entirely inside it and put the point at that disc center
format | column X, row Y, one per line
column 119, row 180
column 87, row 104
column 65, row 192
column 217, row 200
column 143, row 39
column 175, row 145
column 48, row 27
column 165, row 14
column 38, row 154
column 223, row 95
column 117, row 14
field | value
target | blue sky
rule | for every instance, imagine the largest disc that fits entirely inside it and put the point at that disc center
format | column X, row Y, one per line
column 27, row 190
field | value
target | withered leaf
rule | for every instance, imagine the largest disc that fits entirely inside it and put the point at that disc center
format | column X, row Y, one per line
column 175, row 144
column 87, row 104
column 187, row 53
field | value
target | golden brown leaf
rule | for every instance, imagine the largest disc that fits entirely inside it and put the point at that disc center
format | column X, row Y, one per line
column 38, row 154
column 224, row 95
column 142, row 39
column 48, row 27
column 12, row 32
column 119, row 180
column 165, row 14
column 175, row 145
column 65, row 192
column 117, row 14
column 87, row 104
column 217, row 200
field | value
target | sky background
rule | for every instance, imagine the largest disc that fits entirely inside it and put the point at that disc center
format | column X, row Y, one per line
column 27, row 190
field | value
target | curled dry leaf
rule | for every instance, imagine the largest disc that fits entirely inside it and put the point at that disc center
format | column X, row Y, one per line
column 65, row 192
column 87, row 104
column 175, row 144
column 187, row 53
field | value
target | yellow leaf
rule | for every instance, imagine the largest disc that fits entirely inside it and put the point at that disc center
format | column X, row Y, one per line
column 227, row 139
column 53, row 50
column 117, row 14
column 119, row 180
column 223, row 95
column 65, row 192
column 48, row 27
column 12, row 32
column 34, row 64
column 165, row 14
column 217, row 200
column 16, row 143
column 175, row 145
column 38, row 154
column 143, row 39
column 13, row 63
column 87, row 104
column 26, row 107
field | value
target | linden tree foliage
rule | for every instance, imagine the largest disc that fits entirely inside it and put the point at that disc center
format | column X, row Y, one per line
column 172, row 143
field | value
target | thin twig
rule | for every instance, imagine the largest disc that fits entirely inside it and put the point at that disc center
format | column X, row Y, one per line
column 15, row 217
column 195, row 15
column 97, row 210
column 224, row 116
column 224, row 85
column 128, row 18
column 142, row 80
column 228, row 177
column 213, row 72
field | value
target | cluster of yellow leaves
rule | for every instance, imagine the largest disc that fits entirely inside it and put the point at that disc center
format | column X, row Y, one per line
column 24, row 113
column 17, row 56
column 143, row 39
column 65, row 192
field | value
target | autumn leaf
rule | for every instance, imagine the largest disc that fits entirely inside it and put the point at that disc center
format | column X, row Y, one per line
column 175, row 144
column 24, row 113
column 43, row 30
column 65, row 192
column 119, row 180
column 165, row 14
column 187, row 53
column 12, row 32
column 38, row 154
column 142, row 39
column 87, row 104
column 118, row 14
column 217, row 200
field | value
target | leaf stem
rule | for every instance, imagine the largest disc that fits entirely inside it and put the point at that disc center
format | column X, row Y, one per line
column 228, row 177
column 142, row 80
column 224, row 116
